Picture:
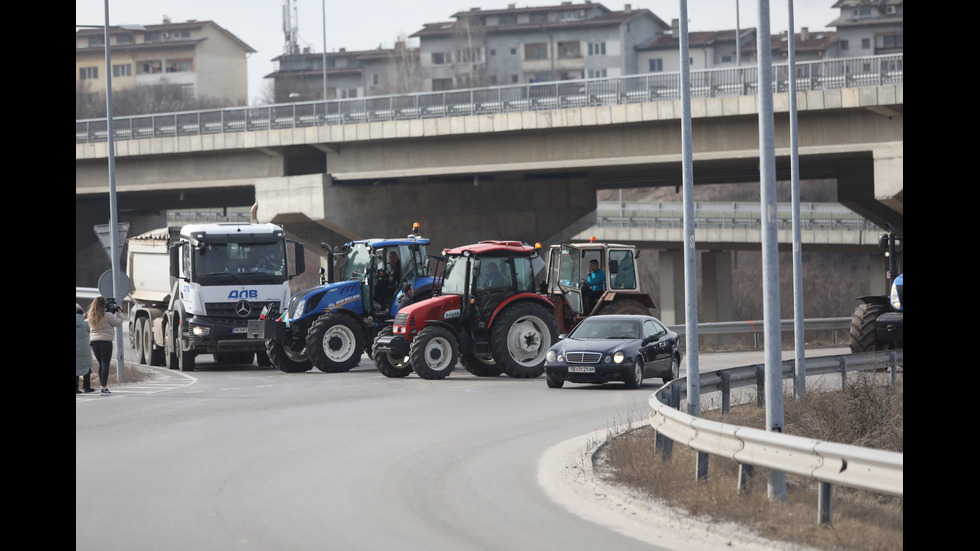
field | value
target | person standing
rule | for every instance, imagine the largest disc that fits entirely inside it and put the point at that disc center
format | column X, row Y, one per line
column 83, row 354
column 103, row 321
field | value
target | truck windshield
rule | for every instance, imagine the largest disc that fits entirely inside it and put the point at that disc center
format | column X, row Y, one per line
column 454, row 277
column 250, row 262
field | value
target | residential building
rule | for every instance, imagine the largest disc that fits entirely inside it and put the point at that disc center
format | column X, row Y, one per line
column 869, row 27
column 200, row 58
column 533, row 44
column 350, row 74
column 707, row 49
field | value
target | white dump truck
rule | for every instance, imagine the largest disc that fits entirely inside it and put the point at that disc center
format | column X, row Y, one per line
column 195, row 287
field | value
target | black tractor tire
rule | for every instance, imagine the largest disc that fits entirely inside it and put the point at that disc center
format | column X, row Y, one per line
column 480, row 368
column 169, row 348
column 139, row 341
column 434, row 352
column 388, row 364
column 245, row 358
column 624, row 306
column 520, row 338
column 335, row 342
column 262, row 359
column 286, row 359
column 634, row 379
column 862, row 329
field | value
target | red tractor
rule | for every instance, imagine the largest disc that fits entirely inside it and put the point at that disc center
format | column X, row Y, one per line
column 488, row 316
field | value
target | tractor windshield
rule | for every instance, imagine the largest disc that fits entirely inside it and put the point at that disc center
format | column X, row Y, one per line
column 358, row 262
column 454, row 277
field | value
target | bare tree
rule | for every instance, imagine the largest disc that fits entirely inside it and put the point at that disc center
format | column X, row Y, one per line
column 143, row 100
column 469, row 55
column 404, row 73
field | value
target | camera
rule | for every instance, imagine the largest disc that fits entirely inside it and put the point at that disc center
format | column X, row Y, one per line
column 110, row 306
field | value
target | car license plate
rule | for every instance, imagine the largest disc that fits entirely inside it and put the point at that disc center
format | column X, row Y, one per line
column 239, row 329
column 581, row 369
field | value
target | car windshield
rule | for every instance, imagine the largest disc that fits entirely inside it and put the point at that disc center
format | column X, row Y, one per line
column 606, row 329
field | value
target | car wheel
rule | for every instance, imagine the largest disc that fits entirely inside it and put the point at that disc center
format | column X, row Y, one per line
column 554, row 381
column 636, row 378
column 675, row 369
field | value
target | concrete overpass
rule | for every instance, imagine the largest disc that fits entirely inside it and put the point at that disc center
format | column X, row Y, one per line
column 469, row 173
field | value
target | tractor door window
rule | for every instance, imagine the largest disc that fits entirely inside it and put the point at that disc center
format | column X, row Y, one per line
column 524, row 272
column 621, row 273
column 569, row 269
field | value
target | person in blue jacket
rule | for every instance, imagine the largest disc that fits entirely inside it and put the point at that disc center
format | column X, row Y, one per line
column 595, row 285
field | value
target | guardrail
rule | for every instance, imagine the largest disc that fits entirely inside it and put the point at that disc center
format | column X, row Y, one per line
column 756, row 328
column 826, row 462
column 735, row 81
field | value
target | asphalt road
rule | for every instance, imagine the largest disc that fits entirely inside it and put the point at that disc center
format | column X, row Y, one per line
column 251, row 458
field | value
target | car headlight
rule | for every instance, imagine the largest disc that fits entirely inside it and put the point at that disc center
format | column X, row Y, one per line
column 619, row 357
column 551, row 356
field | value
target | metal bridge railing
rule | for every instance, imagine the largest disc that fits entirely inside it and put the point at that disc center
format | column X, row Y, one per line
column 736, row 81
column 728, row 215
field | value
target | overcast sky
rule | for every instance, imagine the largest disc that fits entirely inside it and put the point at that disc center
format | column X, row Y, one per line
column 368, row 24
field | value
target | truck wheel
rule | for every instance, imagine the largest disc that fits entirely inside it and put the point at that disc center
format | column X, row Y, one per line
column 520, row 338
column 335, row 343
column 169, row 349
column 388, row 364
column 185, row 360
column 625, row 306
column 139, row 341
column 147, row 334
column 262, row 358
column 286, row 359
column 480, row 368
column 862, row 329
column 434, row 352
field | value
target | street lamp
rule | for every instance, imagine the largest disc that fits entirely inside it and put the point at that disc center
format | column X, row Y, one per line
column 113, row 216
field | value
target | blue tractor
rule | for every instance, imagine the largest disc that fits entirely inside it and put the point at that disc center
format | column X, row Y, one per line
column 877, row 321
column 329, row 326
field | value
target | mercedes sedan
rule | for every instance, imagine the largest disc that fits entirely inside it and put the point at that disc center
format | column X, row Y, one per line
column 603, row 348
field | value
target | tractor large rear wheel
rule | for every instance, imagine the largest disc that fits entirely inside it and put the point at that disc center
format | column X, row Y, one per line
column 434, row 352
column 520, row 338
column 624, row 306
column 862, row 328
column 335, row 343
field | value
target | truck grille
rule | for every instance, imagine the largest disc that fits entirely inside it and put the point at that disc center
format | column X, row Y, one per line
column 231, row 311
column 583, row 357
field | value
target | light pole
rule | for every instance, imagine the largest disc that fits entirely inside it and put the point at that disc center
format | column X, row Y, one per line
column 113, row 215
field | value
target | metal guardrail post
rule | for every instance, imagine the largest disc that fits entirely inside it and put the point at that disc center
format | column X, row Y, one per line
column 745, row 474
column 825, row 503
column 726, row 392
column 843, row 372
column 893, row 359
column 760, row 385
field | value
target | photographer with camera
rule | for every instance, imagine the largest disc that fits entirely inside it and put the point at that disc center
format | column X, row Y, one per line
column 103, row 316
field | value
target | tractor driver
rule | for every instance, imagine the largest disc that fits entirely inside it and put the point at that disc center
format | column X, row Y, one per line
column 594, row 286
column 389, row 280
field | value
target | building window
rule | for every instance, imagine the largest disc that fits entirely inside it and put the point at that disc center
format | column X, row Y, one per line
column 598, row 73
column 892, row 41
column 149, row 67
column 865, row 43
column 656, row 65
column 843, row 45
column 182, row 34
column 513, row 51
column 438, row 58
column 94, row 41
column 88, row 73
column 861, row 12
column 538, row 50
column 726, row 59
column 597, row 48
column 569, row 49
column 124, row 39
column 154, row 37
column 515, row 79
column 348, row 93
column 538, row 17
column 442, row 84
column 179, row 66
column 468, row 55
column 122, row 70
column 374, row 81
column 572, row 15
column 509, row 19
column 493, row 52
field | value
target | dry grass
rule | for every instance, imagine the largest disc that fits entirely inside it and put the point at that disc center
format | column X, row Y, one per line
column 867, row 414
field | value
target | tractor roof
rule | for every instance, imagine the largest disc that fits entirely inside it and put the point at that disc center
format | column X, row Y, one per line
column 388, row 242
column 489, row 247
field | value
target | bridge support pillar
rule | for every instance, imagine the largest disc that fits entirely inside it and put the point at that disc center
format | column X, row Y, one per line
column 672, row 287
column 716, row 291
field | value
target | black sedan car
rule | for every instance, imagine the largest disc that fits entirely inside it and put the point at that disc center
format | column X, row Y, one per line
column 605, row 348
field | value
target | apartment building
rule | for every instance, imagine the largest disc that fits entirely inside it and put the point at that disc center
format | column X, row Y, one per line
column 350, row 74
column 200, row 58
column 869, row 27
column 533, row 44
